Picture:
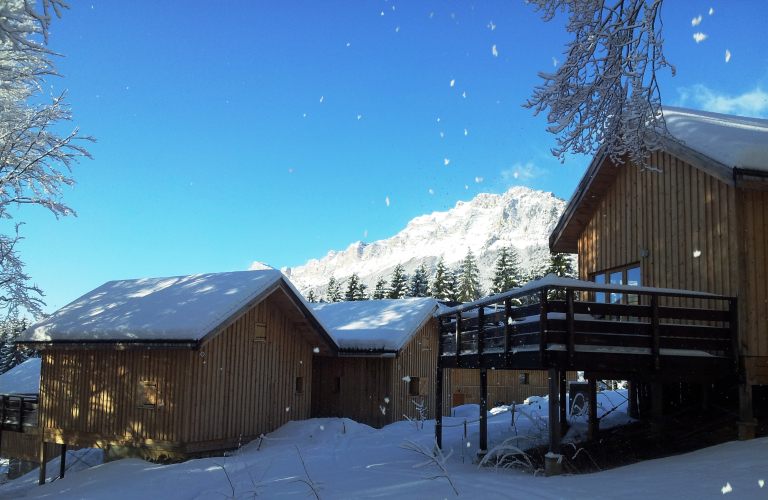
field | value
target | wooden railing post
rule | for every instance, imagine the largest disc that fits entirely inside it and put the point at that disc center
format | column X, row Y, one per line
column 438, row 408
column 655, row 343
column 569, row 326
column 63, row 461
column 440, row 340
column 458, row 339
column 733, row 325
column 480, row 335
column 20, row 421
column 543, row 328
column 507, row 330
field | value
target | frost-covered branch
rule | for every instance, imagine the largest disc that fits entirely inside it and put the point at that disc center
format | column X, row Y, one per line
column 605, row 94
column 435, row 457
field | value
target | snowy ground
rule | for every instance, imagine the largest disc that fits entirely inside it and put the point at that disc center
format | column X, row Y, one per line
column 345, row 459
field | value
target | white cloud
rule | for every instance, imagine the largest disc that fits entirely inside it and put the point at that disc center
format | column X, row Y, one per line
column 711, row 11
column 555, row 61
column 494, row 51
column 478, row 179
column 696, row 21
column 465, row 131
column 387, row 200
column 522, row 172
column 452, row 82
column 447, row 161
column 727, row 55
column 699, row 37
column 321, row 98
column 431, row 191
column 753, row 103
column 441, row 134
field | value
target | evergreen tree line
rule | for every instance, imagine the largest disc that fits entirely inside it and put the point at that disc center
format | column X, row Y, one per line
column 10, row 354
column 456, row 285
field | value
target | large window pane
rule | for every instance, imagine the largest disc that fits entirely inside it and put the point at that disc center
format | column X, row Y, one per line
column 600, row 280
column 616, row 279
column 633, row 279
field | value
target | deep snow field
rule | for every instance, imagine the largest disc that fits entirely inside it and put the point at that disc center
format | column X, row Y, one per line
column 344, row 459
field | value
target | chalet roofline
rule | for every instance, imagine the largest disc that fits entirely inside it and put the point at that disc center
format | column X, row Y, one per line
column 558, row 239
column 191, row 344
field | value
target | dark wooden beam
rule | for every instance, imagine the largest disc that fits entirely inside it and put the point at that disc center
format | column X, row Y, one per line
column 458, row 339
column 543, row 327
column 507, row 330
column 569, row 326
column 554, row 409
column 655, row 344
column 483, row 410
column 439, row 408
column 594, row 422
column 63, row 461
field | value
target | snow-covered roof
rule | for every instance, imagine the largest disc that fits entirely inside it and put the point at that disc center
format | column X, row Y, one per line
column 22, row 379
column 375, row 324
column 182, row 308
column 734, row 141
column 552, row 280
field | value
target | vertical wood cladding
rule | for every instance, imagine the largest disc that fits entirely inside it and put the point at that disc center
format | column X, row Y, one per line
column 25, row 446
column 503, row 385
column 238, row 387
column 694, row 227
column 375, row 391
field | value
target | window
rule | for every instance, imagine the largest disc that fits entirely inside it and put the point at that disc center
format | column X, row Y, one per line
column 147, row 395
column 337, row 385
column 627, row 275
column 299, row 385
column 418, row 386
column 260, row 332
column 524, row 379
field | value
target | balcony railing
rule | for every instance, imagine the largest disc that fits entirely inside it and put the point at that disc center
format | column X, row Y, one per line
column 659, row 322
column 18, row 411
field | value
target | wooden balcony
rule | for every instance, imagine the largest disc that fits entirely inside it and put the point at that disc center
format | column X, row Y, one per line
column 676, row 334
column 18, row 412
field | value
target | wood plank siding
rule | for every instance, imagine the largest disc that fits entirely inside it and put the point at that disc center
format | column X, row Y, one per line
column 25, row 446
column 371, row 390
column 203, row 400
column 700, row 232
column 503, row 386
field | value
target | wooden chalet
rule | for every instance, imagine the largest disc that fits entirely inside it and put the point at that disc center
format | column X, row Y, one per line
column 386, row 361
column 695, row 219
column 177, row 366
column 673, row 263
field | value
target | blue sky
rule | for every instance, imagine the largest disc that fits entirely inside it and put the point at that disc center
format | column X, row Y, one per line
column 236, row 131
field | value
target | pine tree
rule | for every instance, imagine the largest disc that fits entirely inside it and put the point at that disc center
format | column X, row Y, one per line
column 355, row 289
column 352, row 283
column 439, row 281
column 507, row 274
column 420, row 282
column 451, row 291
column 380, row 292
column 311, row 297
column 561, row 265
column 333, row 291
column 10, row 354
column 469, row 282
column 398, row 284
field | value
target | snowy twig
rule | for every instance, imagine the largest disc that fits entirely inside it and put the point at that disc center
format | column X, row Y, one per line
column 435, row 457
column 508, row 452
column 314, row 488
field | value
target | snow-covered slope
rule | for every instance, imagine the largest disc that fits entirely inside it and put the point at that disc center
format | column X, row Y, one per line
column 521, row 217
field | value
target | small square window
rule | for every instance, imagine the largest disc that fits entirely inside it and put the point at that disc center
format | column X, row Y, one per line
column 524, row 379
column 413, row 386
column 260, row 332
column 299, row 385
column 147, row 395
column 337, row 385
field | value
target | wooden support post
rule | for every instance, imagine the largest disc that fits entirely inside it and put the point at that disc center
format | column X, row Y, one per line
column 458, row 339
column 655, row 344
column 438, row 407
column 63, row 461
column 569, row 327
column 43, row 461
column 480, row 335
column 483, row 411
column 594, row 422
column 746, row 420
column 657, row 411
column 733, row 325
column 552, row 460
column 706, row 389
column 543, row 344
column 507, row 330
column 633, row 411
column 563, row 403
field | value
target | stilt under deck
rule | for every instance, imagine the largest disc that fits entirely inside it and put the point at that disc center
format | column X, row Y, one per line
column 646, row 335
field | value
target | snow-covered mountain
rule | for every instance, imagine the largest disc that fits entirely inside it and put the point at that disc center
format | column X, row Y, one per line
column 521, row 217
